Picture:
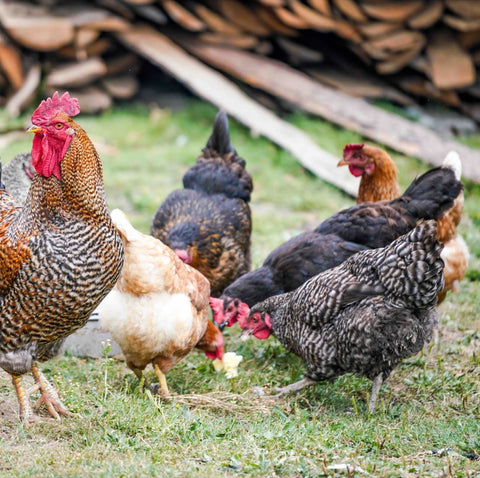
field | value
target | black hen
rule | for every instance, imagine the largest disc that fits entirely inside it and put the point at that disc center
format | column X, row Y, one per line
column 208, row 223
column 364, row 316
column 366, row 225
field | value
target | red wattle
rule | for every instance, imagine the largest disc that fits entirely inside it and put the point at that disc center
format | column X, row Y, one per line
column 356, row 171
column 47, row 153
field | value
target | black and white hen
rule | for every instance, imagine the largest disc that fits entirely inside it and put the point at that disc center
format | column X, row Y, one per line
column 364, row 316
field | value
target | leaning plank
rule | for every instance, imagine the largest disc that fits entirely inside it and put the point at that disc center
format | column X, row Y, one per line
column 22, row 98
column 220, row 91
column 355, row 114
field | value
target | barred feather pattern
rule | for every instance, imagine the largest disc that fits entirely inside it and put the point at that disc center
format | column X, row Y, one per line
column 367, row 314
column 60, row 255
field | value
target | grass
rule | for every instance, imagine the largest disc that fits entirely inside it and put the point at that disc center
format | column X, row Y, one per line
column 222, row 427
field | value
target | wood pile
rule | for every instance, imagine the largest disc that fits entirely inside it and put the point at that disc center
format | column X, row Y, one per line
column 407, row 51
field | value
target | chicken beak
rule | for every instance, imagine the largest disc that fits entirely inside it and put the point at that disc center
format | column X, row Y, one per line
column 34, row 129
column 222, row 325
column 342, row 162
column 245, row 335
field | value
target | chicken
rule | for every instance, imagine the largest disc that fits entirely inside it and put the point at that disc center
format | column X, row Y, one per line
column 17, row 175
column 59, row 254
column 364, row 316
column 208, row 223
column 366, row 225
column 379, row 182
column 158, row 310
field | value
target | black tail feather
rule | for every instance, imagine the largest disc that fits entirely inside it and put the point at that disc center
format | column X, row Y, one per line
column 220, row 141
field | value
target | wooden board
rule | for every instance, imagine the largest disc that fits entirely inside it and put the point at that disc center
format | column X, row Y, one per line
column 352, row 113
column 223, row 93
column 451, row 66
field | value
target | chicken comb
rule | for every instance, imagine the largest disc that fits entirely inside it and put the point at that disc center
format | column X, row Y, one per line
column 350, row 148
column 56, row 104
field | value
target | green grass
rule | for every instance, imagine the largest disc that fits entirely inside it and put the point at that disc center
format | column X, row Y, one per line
column 220, row 427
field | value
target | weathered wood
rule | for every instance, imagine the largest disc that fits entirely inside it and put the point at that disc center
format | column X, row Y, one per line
column 271, row 20
column 464, row 8
column 243, row 17
column 212, row 86
column 22, row 98
column 392, row 11
column 215, row 21
column 426, row 17
column 121, row 87
column 351, row 9
column 182, row 16
column 312, row 18
column 11, row 64
column 351, row 113
column 290, row 19
column 323, row 6
column 76, row 74
column 452, row 67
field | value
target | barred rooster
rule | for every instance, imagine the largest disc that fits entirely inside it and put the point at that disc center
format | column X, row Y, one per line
column 59, row 254
column 364, row 316
column 208, row 223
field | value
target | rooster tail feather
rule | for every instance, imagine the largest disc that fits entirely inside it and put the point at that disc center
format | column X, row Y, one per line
column 452, row 160
column 418, row 272
column 220, row 141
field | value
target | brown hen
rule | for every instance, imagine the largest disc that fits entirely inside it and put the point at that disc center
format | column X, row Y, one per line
column 208, row 223
column 59, row 254
column 379, row 182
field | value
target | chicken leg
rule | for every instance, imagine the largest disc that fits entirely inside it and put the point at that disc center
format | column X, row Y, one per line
column 294, row 387
column 377, row 383
column 49, row 395
column 162, row 381
column 26, row 412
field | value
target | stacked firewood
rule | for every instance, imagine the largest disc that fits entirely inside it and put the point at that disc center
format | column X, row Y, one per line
column 403, row 50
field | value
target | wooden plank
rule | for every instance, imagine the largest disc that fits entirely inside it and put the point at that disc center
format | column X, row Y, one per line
column 452, row 67
column 352, row 113
column 223, row 93
column 392, row 11
column 426, row 17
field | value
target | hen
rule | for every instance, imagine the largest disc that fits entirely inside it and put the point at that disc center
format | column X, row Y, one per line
column 379, row 182
column 364, row 316
column 17, row 176
column 366, row 225
column 59, row 253
column 158, row 310
column 208, row 223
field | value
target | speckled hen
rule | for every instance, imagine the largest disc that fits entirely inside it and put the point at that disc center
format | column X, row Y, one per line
column 59, row 254
column 208, row 223
column 364, row 316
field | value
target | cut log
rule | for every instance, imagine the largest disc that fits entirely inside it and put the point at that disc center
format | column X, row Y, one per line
column 121, row 87
column 427, row 16
column 244, row 42
column 322, row 6
column 377, row 29
column 20, row 20
column 421, row 87
column 182, row 16
column 462, row 24
column 397, row 62
column 92, row 100
column 243, row 17
column 352, row 113
column 76, row 74
column 215, row 22
column 464, row 8
column 398, row 41
column 312, row 18
column 351, row 10
column 452, row 67
column 11, row 65
column 299, row 53
column 290, row 19
column 26, row 94
column 392, row 11
column 212, row 86
column 271, row 20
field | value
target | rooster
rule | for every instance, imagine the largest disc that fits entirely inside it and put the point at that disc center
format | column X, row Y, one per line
column 379, row 182
column 364, row 316
column 59, row 254
column 208, row 223
column 158, row 311
column 366, row 225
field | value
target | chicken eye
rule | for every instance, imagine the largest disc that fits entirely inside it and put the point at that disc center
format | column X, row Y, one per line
column 59, row 125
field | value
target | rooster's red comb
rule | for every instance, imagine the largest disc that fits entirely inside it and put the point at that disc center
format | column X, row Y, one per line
column 56, row 104
column 350, row 148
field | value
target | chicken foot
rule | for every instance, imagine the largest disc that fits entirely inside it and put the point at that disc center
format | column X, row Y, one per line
column 377, row 383
column 294, row 387
column 49, row 395
column 162, row 381
column 26, row 412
